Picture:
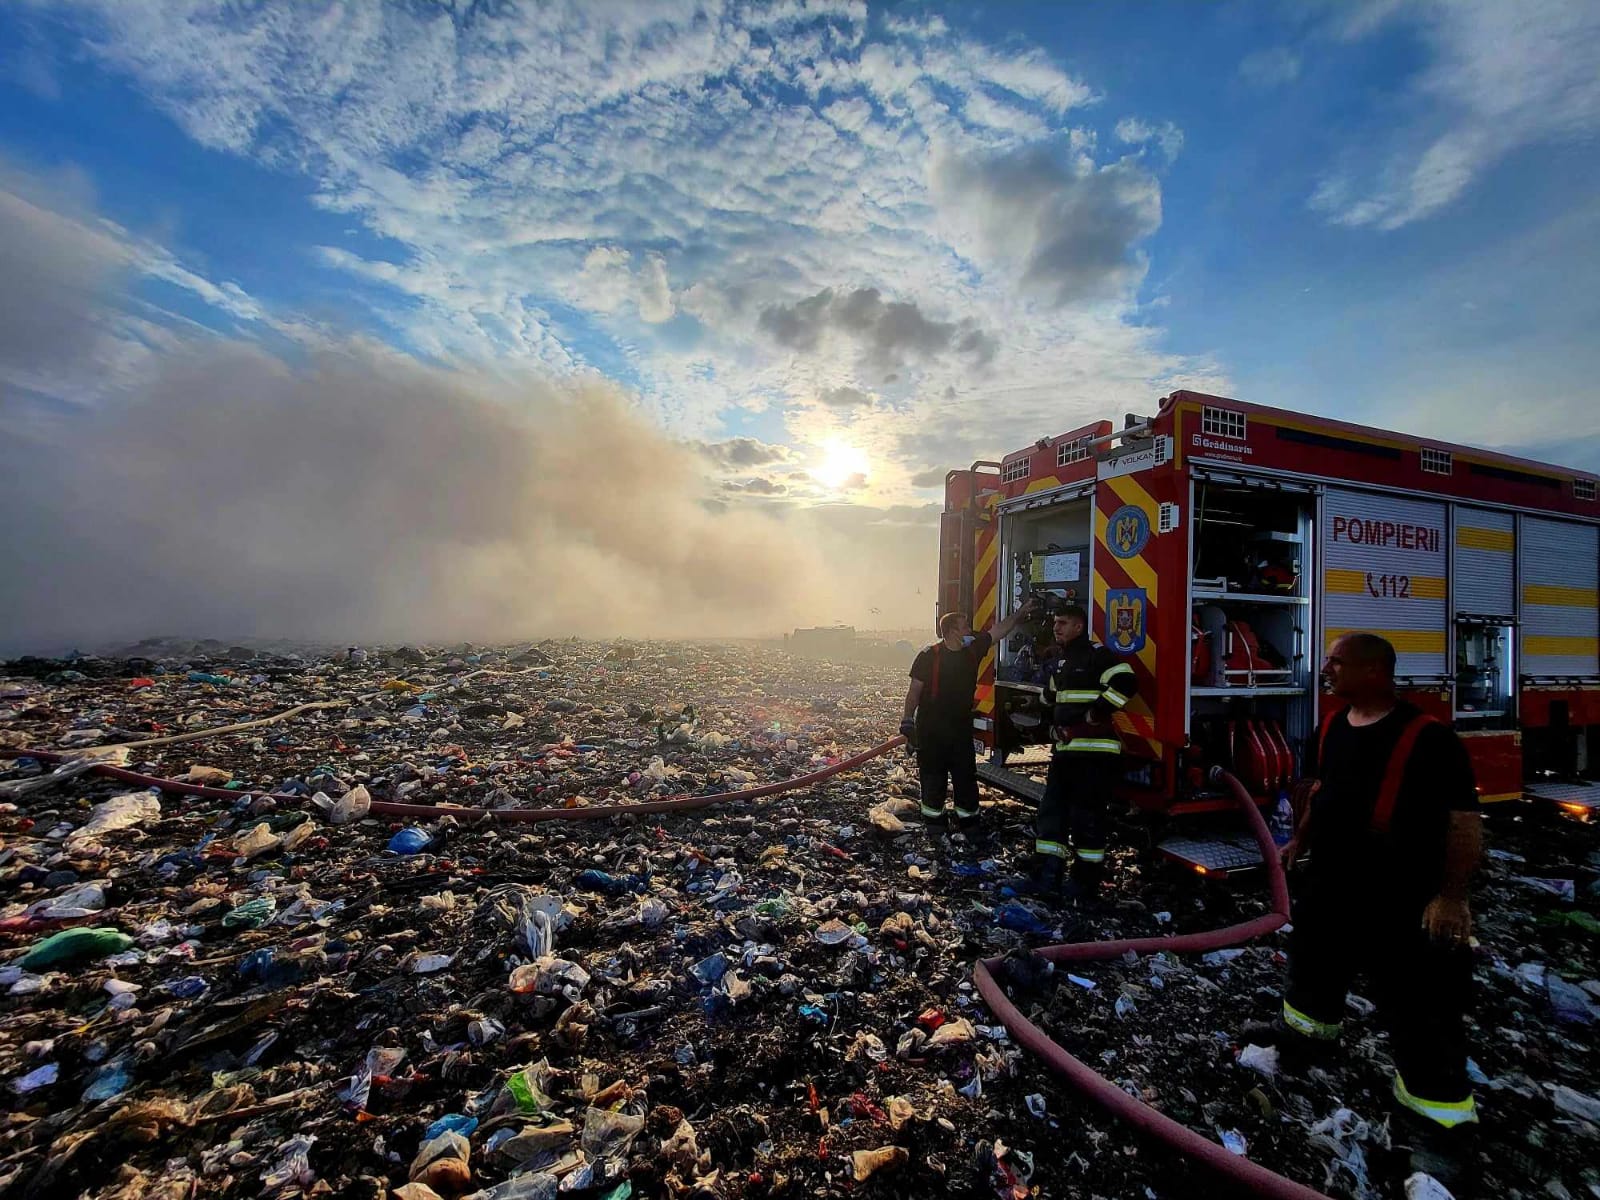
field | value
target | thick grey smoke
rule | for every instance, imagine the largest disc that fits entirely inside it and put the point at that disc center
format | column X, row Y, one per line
column 362, row 495
column 161, row 481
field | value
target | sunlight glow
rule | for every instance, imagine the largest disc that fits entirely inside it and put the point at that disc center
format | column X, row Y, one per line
column 841, row 462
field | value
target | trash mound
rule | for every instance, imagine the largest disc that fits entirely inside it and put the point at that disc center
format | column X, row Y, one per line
column 283, row 993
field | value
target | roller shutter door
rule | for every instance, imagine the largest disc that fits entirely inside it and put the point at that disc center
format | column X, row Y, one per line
column 1384, row 573
column 1560, row 581
column 1484, row 565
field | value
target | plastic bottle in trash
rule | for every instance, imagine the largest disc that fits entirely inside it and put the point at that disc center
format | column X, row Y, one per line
column 532, row 1185
column 1281, row 823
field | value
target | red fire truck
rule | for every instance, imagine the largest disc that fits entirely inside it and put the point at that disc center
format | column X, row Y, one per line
column 1223, row 546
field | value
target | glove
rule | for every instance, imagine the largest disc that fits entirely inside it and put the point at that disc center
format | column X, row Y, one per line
column 908, row 729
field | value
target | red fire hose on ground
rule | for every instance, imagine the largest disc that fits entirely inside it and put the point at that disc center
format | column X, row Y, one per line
column 1090, row 1083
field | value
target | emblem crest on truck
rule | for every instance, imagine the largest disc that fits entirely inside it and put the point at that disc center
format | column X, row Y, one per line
column 1125, row 620
column 1129, row 530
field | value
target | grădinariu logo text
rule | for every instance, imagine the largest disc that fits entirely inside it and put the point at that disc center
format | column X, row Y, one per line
column 1200, row 441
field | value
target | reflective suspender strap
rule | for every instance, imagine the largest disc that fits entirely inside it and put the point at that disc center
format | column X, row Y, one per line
column 933, row 684
column 1395, row 773
column 1322, row 738
column 1448, row 1113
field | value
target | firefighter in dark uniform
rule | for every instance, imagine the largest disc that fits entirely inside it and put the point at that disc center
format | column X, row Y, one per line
column 1390, row 817
column 938, row 713
column 1088, row 684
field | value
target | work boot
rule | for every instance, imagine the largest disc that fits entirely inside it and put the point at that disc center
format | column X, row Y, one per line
column 1083, row 888
column 1081, row 891
column 1297, row 1053
column 1046, row 874
column 970, row 826
column 1450, row 1155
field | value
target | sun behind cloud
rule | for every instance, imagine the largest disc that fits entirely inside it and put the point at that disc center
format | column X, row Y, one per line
column 841, row 462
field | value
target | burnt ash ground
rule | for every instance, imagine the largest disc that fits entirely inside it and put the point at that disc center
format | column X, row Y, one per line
column 781, row 1070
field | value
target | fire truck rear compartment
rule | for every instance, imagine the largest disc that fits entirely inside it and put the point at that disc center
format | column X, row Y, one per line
column 1252, row 665
column 1044, row 553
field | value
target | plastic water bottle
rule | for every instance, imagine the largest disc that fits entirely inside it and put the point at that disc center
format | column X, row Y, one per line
column 1281, row 823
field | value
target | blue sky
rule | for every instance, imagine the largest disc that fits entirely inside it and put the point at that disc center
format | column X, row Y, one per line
column 898, row 237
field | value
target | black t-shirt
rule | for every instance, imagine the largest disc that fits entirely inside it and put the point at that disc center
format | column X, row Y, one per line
column 1408, row 861
column 946, row 703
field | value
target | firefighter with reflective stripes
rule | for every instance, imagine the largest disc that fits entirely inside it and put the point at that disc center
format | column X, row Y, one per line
column 1389, row 815
column 1087, row 685
column 938, row 713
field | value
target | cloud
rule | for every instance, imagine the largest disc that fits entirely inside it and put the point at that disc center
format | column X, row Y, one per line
column 1270, row 68
column 745, row 452
column 1499, row 77
column 609, row 281
column 887, row 333
column 757, row 486
column 553, row 184
column 1135, row 132
column 844, row 397
column 931, row 478
column 1070, row 230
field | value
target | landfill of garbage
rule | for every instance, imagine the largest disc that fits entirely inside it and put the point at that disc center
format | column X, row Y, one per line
column 281, row 990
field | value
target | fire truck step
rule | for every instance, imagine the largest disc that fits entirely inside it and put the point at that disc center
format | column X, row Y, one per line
column 1579, row 799
column 1030, row 756
column 1214, row 855
column 1010, row 781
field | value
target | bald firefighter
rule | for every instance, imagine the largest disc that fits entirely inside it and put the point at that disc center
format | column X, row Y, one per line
column 1088, row 684
column 1389, row 815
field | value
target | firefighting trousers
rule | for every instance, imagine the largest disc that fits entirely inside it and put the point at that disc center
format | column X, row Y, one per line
column 1421, row 988
column 1077, row 803
column 945, row 756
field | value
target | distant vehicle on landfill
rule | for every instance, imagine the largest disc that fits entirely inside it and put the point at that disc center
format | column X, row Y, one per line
column 1224, row 546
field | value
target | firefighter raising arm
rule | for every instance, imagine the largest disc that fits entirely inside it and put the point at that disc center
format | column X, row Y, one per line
column 1002, row 629
column 957, row 634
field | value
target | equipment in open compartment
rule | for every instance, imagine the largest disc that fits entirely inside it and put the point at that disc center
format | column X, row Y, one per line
column 1229, row 651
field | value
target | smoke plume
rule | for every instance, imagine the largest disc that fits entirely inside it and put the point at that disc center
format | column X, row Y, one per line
column 161, row 479
column 362, row 495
